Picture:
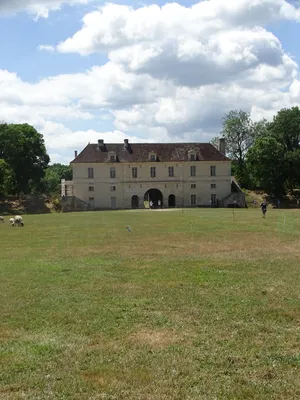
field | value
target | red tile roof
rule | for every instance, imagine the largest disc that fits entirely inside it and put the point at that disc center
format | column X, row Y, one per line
column 139, row 152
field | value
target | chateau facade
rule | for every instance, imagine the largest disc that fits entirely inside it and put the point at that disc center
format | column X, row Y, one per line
column 125, row 175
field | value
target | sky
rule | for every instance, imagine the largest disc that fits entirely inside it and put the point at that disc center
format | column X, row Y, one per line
column 83, row 70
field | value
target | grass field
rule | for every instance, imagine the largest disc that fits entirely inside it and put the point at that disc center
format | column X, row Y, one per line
column 199, row 304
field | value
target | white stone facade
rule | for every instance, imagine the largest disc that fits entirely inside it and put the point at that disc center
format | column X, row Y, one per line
column 193, row 183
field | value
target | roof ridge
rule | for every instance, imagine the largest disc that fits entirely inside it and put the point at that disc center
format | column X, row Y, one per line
column 166, row 152
column 160, row 143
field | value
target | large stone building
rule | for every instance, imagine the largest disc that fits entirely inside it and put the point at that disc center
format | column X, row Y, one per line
column 125, row 175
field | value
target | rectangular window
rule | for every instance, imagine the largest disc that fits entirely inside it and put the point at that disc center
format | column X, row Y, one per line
column 91, row 188
column 112, row 172
column 153, row 157
column 171, row 171
column 113, row 188
column 213, row 199
column 193, row 199
column 213, row 170
column 91, row 173
column 213, row 186
column 193, row 186
column 193, row 157
column 193, row 170
column 134, row 172
column 112, row 158
column 153, row 172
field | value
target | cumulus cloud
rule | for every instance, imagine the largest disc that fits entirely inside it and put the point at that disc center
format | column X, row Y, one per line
column 211, row 42
column 200, row 111
column 114, row 26
column 107, row 86
column 62, row 141
column 38, row 8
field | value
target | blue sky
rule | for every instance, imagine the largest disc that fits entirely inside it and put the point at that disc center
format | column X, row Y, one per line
column 165, row 73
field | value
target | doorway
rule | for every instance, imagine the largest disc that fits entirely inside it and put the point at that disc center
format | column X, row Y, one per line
column 113, row 203
column 153, row 196
column 172, row 201
column 135, row 202
column 91, row 203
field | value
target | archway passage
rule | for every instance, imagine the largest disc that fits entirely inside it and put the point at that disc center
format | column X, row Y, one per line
column 172, row 201
column 135, row 201
column 153, row 196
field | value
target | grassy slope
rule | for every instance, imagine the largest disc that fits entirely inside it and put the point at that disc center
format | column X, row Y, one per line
column 188, row 305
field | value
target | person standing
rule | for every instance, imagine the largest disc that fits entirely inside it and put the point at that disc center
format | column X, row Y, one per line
column 264, row 207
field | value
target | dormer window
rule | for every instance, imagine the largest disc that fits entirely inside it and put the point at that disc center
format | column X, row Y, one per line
column 152, row 156
column 192, row 155
column 112, row 156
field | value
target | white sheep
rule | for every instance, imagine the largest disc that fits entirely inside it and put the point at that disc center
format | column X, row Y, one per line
column 1, row 219
column 18, row 220
column 11, row 221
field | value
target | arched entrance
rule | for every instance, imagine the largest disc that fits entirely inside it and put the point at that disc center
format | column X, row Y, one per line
column 155, row 196
column 135, row 201
column 172, row 201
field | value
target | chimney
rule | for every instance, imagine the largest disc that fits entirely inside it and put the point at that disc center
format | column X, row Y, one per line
column 222, row 146
column 126, row 143
column 101, row 145
column 75, row 153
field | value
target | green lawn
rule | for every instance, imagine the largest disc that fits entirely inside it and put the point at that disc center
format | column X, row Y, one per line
column 199, row 304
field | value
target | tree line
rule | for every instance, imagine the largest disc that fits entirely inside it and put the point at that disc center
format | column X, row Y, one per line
column 24, row 163
column 265, row 155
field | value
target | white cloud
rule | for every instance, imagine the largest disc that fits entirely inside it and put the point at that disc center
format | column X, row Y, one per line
column 38, row 8
column 211, row 42
column 198, row 112
column 105, row 86
column 62, row 142
column 114, row 26
column 46, row 47
column 58, row 136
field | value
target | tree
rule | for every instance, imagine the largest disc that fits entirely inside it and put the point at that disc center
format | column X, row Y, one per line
column 23, row 149
column 286, row 129
column 240, row 133
column 53, row 176
column 265, row 160
column 274, row 160
column 6, row 178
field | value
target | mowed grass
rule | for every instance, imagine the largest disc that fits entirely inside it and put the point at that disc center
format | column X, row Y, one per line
column 199, row 304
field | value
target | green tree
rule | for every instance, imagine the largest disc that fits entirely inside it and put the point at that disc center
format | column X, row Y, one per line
column 266, row 160
column 286, row 129
column 53, row 176
column 6, row 178
column 240, row 133
column 23, row 149
column 274, row 160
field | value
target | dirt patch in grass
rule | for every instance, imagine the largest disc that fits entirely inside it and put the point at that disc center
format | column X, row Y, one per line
column 101, row 379
column 8, row 333
column 155, row 339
